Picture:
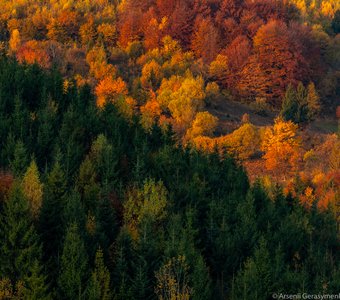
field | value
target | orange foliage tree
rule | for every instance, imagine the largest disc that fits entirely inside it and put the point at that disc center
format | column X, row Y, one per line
column 109, row 89
column 281, row 145
column 108, row 34
column 65, row 27
column 34, row 52
column 205, row 41
column 272, row 66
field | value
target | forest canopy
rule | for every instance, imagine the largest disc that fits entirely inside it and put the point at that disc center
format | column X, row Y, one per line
column 168, row 149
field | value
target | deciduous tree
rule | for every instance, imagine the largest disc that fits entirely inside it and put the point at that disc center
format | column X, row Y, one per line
column 281, row 145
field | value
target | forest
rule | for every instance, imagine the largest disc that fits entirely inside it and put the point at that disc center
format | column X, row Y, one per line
column 169, row 149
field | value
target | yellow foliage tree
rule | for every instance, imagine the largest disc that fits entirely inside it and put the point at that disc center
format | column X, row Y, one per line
column 15, row 41
column 166, row 89
column 108, row 34
column 219, row 69
column 204, row 124
column 33, row 188
column 99, row 67
column 152, row 75
column 173, row 281
column 186, row 102
column 281, row 145
column 150, row 112
column 243, row 142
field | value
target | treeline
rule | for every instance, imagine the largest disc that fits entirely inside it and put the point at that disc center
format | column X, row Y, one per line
column 93, row 206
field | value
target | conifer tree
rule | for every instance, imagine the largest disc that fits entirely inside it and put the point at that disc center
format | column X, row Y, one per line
column 99, row 286
column 35, row 287
column 313, row 102
column 51, row 217
column 73, row 265
column 19, row 163
column 254, row 281
column 20, row 251
column 33, row 189
column 289, row 104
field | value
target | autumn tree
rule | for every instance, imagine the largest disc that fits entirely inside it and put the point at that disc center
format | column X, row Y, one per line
column 281, row 145
column 187, row 101
column 172, row 280
column 108, row 34
column 109, row 89
column 33, row 189
column 205, row 41
column 129, row 24
column 65, row 27
column 242, row 143
column 181, row 23
column 272, row 66
column 34, row 52
column 147, row 203
column 237, row 52
column 313, row 102
column 150, row 112
column 153, row 31
column 152, row 74
column 204, row 124
column 98, row 63
column 15, row 41
column 219, row 69
column 88, row 32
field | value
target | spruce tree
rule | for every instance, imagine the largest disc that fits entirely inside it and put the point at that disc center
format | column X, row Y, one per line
column 20, row 252
column 20, row 245
column 35, row 287
column 313, row 102
column 51, row 225
column 289, row 104
column 255, row 280
column 99, row 286
column 74, row 265
column 20, row 161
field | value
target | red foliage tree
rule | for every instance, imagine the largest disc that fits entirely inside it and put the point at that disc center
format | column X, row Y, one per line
column 238, row 53
column 205, row 41
column 272, row 66
column 34, row 52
